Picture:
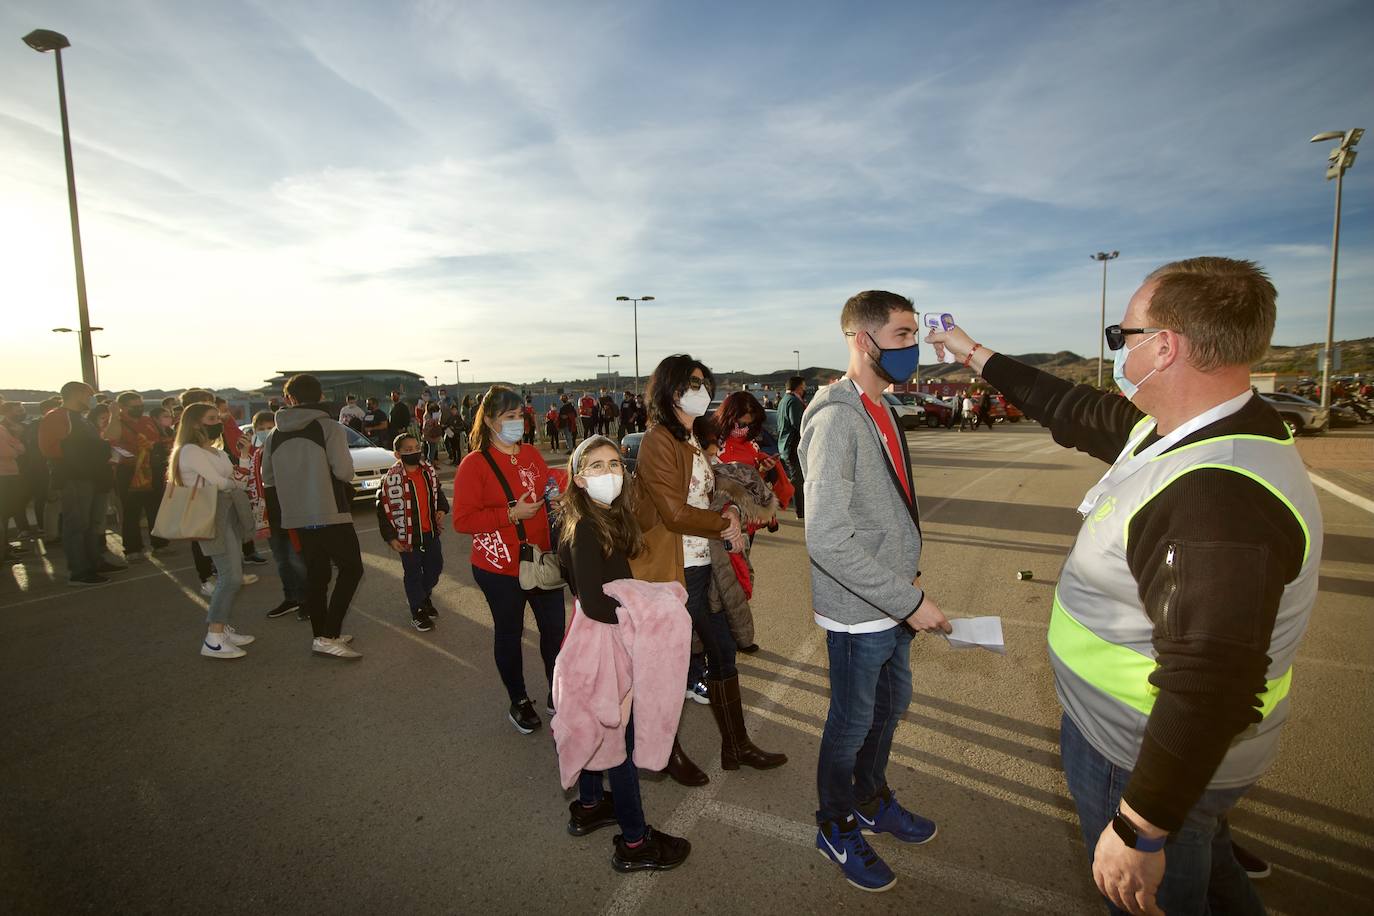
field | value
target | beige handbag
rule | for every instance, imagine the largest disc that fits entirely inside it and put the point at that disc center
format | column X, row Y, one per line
column 187, row 513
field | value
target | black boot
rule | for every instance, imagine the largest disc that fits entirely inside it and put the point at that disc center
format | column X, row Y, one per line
column 682, row 769
column 735, row 746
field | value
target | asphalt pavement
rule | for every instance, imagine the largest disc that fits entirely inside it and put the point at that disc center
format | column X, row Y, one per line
column 140, row 777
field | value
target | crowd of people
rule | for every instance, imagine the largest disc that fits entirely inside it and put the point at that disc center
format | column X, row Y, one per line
column 1174, row 686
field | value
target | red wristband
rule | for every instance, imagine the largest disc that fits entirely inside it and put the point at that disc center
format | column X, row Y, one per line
column 969, row 359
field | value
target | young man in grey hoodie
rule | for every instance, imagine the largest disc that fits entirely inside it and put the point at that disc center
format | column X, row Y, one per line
column 863, row 534
column 307, row 474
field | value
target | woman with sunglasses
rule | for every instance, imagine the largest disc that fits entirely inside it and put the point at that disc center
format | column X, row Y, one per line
column 678, row 523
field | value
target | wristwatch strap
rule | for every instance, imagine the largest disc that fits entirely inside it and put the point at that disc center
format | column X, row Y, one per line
column 1132, row 838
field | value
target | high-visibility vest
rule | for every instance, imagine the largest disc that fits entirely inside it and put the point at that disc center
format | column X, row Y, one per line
column 1100, row 635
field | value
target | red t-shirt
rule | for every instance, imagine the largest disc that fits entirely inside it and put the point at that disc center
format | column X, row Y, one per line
column 421, row 484
column 883, row 417
column 479, row 507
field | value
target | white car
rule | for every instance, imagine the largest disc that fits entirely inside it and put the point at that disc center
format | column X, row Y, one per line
column 909, row 415
column 370, row 462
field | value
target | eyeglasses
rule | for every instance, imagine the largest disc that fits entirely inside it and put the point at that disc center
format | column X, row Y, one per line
column 1116, row 334
column 695, row 383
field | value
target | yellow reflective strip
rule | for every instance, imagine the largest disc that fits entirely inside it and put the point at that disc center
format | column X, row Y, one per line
column 1270, row 439
column 1302, row 522
column 1123, row 673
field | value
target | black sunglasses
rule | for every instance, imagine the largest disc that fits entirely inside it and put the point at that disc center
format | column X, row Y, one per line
column 1116, row 334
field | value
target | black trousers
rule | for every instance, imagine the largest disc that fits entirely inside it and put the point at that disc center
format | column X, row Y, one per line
column 135, row 506
column 794, row 472
column 324, row 550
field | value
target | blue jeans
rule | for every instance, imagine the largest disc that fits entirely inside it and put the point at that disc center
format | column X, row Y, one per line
column 1201, row 874
column 629, row 809
column 290, row 566
column 870, row 690
column 228, row 581
column 421, row 567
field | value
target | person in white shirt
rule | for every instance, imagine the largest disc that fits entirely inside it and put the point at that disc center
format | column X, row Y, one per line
column 198, row 460
column 966, row 415
column 351, row 414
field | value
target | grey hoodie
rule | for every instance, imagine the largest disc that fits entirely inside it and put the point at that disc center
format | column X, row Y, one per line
column 308, row 469
column 863, row 537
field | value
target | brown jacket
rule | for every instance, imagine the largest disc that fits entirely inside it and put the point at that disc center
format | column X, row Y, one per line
column 664, row 470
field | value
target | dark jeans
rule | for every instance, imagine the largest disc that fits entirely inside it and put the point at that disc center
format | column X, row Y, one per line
column 553, row 437
column 713, row 629
column 1201, row 874
column 588, row 427
column 83, row 526
column 13, row 496
column 135, row 506
column 507, row 601
column 792, row 466
column 421, row 566
column 204, row 568
column 322, row 549
column 290, row 566
column 629, row 808
column 870, row 690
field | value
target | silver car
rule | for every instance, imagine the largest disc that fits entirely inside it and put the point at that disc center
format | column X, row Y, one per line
column 1299, row 414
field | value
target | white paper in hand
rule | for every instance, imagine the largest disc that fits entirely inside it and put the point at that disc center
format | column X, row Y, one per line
column 972, row 632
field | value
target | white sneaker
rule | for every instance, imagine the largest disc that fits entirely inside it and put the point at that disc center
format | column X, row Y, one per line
column 334, row 647
column 237, row 638
column 346, row 638
column 207, row 588
column 216, row 645
column 249, row 578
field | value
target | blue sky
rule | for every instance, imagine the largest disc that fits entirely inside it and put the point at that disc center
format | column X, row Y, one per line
column 275, row 185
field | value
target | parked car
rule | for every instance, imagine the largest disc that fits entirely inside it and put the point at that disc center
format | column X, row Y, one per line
column 629, row 450
column 1299, row 414
column 1002, row 409
column 937, row 412
column 768, row 438
column 909, row 415
column 370, row 462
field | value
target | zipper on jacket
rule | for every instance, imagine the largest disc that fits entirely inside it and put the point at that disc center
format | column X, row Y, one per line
column 1171, row 583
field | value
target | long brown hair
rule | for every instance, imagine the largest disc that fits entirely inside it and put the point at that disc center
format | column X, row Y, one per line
column 734, row 407
column 191, row 431
column 616, row 526
column 495, row 402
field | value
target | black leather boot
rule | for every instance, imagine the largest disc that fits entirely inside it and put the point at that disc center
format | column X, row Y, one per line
column 682, row 769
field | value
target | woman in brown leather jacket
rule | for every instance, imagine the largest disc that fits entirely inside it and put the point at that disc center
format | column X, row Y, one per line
column 678, row 525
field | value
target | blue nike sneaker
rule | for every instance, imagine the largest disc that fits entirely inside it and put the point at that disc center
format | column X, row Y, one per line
column 843, row 844
column 894, row 819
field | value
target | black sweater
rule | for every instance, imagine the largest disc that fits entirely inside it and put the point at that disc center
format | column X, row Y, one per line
column 587, row 570
column 1235, row 548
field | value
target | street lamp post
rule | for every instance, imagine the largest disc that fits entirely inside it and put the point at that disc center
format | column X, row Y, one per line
column 1341, row 158
column 636, row 302
column 457, row 369
column 797, row 354
column 608, row 357
column 98, row 358
column 1104, row 257
column 42, row 40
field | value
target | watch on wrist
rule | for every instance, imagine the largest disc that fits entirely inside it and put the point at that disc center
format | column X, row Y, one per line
column 1132, row 837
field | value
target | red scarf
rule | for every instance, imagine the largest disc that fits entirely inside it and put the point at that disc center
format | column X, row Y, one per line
column 396, row 499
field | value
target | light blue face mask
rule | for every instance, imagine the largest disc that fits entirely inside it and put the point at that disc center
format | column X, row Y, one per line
column 512, row 431
column 1128, row 387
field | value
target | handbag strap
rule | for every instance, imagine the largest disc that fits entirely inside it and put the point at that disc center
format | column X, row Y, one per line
column 510, row 496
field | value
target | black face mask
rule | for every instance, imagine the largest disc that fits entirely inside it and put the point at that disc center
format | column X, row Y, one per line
column 412, row 459
column 213, row 430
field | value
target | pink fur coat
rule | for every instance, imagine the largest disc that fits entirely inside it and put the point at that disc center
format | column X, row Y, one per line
column 603, row 671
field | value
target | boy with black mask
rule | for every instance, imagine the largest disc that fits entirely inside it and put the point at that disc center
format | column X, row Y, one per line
column 411, row 509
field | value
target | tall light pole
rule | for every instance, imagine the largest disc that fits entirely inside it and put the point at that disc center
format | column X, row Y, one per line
column 636, row 302
column 98, row 358
column 1104, row 257
column 44, row 40
column 608, row 357
column 457, row 369
column 797, row 354
column 1341, row 158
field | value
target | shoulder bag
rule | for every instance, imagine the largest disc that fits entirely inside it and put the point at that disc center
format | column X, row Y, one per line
column 538, row 568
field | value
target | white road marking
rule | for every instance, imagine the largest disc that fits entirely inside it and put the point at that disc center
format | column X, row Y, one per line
column 90, row 589
column 1341, row 492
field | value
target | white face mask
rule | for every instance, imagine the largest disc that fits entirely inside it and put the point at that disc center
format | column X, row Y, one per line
column 694, row 403
column 512, row 431
column 605, row 488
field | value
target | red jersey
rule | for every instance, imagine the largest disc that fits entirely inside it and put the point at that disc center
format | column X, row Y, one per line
column 587, row 406
column 883, row 417
column 479, row 507
column 232, row 435
column 418, row 480
column 137, row 437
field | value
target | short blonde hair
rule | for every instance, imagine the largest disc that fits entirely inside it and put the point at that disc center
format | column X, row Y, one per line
column 1224, row 307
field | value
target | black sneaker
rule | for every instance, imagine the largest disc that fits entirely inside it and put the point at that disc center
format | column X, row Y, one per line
column 88, row 579
column 750, row 649
column 1254, row 866
column 104, row 567
column 523, row 717
column 583, row 820
column 429, row 608
column 302, row 614
column 283, row 609
column 658, row 852
column 420, row 621
column 254, row 559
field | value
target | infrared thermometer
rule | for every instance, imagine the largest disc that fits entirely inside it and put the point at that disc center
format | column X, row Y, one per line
column 939, row 321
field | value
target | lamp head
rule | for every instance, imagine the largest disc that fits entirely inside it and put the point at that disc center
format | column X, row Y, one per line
column 646, row 298
column 1327, row 135
column 46, row 40
column 622, row 298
